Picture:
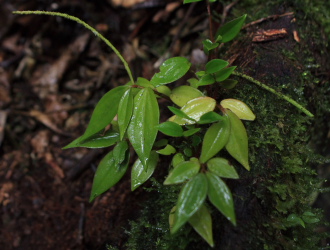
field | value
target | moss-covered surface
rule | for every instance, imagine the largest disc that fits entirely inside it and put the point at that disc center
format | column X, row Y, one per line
column 283, row 181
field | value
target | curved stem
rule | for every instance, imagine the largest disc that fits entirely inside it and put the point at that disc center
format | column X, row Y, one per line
column 264, row 86
column 96, row 33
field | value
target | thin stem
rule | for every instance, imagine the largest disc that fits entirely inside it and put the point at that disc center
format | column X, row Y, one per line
column 210, row 20
column 96, row 33
column 262, row 85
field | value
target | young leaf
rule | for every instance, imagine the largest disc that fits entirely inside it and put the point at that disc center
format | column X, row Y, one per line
column 99, row 140
column 191, row 198
column 237, row 145
column 224, row 73
column 195, row 109
column 171, row 70
column 177, row 158
column 228, row 84
column 125, row 111
column 294, row 220
column 220, row 196
column 191, row 132
column 170, row 129
column 142, row 130
column 309, row 217
column 216, row 137
column 119, row 152
column 239, row 108
column 140, row 174
column 182, row 94
column 210, row 117
column 144, row 82
column 201, row 221
column 168, row 150
column 206, row 80
column 208, row 45
column 230, row 30
column 182, row 172
column 222, row 168
column 108, row 174
column 104, row 112
column 215, row 65
column 193, row 82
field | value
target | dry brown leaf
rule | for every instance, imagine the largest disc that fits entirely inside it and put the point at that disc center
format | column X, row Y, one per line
column 126, row 3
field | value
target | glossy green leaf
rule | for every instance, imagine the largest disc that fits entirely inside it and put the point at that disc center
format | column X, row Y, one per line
column 182, row 172
column 191, row 132
column 171, row 70
column 210, row 117
column 103, row 114
column 208, row 45
column 220, row 196
column 182, row 94
column 216, row 137
column 224, row 73
column 177, row 158
column 230, row 30
column 215, row 65
column 191, row 198
column 237, row 145
column 206, row 80
column 99, row 140
column 108, row 173
column 140, row 174
column 179, row 113
column 168, row 150
column 239, row 108
column 164, row 90
column 143, row 82
column 222, row 168
column 228, row 84
column 310, row 217
column 294, row 220
column 201, row 221
column 170, row 129
column 119, row 152
column 195, row 109
column 125, row 111
column 142, row 130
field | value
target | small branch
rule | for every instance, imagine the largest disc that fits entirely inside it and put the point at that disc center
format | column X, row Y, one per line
column 264, row 86
column 96, row 33
column 210, row 20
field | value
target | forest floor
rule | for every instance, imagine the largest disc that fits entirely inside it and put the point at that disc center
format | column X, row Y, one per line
column 52, row 73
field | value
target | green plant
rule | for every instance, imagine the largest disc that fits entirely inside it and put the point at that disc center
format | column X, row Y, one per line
column 198, row 130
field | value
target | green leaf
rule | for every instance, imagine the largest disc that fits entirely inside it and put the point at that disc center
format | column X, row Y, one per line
column 180, row 113
column 140, row 174
column 182, row 172
column 224, row 73
column 195, row 109
column 206, row 80
column 168, row 150
column 201, row 221
column 125, row 111
column 193, row 82
column 222, row 168
column 108, row 173
column 161, row 143
column 237, row 145
column 239, row 108
column 182, row 94
column 164, row 90
column 210, row 117
column 228, row 84
column 310, row 218
column 191, row 132
column 177, row 158
column 208, row 45
column 119, row 152
column 216, row 137
column 142, row 130
column 170, row 129
column 294, row 220
column 104, row 112
column 215, row 65
column 191, row 198
column 220, row 196
column 191, row 1
column 99, row 140
column 230, row 30
column 143, row 82
column 171, row 70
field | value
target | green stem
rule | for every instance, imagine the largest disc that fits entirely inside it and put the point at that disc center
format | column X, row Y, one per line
column 262, row 85
column 96, row 33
